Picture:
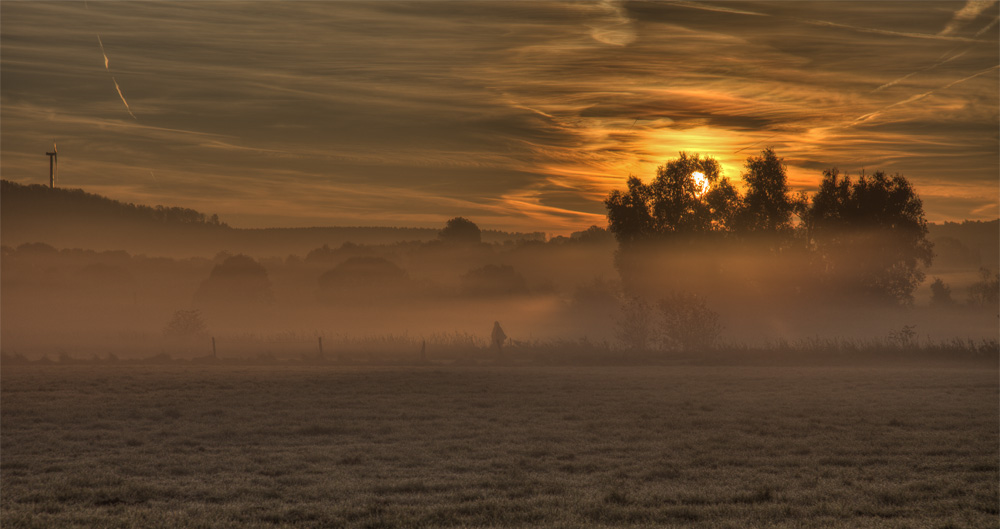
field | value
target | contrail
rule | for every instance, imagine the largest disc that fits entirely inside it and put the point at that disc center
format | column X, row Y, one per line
column 918, row 97
column 106, row 67
column 988, row 26
column 156, row 183
column 924, row 69
column 129, row 109
column 118, row 88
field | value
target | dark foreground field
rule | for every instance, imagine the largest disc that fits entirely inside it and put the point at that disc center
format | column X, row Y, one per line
column 213, row 446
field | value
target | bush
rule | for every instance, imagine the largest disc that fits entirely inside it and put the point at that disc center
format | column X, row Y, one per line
column 986, row 291
column 941, row 294
column 237, row 280
column 635, row 327
column 362, row 277
column 687, row 323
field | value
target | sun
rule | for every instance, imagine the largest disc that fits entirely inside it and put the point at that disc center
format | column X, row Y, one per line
column 701, row 183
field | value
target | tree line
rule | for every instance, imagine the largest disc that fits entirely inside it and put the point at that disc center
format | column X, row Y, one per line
column 77, row 202
column 866, row 234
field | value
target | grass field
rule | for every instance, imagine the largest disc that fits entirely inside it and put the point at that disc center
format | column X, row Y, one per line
column 693, row 446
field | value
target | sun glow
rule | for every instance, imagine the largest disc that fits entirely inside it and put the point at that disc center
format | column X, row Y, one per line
column 701, row 183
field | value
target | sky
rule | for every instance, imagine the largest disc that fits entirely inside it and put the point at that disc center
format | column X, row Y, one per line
column 518, row 115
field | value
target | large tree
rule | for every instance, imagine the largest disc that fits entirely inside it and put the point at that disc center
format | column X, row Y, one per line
column 629, row 215
column 238, row 280
column 870, row 234
column 688, row 196
column 768, row 205
column 460, row 230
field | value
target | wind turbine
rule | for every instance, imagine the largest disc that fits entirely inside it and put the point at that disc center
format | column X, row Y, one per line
column 53, row 165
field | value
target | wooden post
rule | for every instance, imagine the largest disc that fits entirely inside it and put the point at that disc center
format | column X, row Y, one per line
column 321, row 347
column 423, row 350
column 213, row 347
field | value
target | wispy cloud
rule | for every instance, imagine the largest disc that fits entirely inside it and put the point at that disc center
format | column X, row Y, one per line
column 969, row 12
column 522, row 114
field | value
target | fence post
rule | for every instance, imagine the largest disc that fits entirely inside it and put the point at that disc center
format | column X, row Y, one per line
column 321, row 347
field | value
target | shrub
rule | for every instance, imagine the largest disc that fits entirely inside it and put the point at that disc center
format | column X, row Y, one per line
column 238, row 279
column 687, row 323
column 941, row 294
column 986, row 291
column 361, row 277
column 635, row 327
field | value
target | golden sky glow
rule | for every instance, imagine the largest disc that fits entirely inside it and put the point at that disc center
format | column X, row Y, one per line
column 519, row 115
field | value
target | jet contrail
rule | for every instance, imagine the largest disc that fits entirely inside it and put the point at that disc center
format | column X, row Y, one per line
column 156, row 183
column 988, row 26
column 129, row 109
column 106, row 67
column 924, row 69
column 118, row 88
column 918, row 97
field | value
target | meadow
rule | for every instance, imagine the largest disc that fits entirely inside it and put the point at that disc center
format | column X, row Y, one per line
column 105, row 446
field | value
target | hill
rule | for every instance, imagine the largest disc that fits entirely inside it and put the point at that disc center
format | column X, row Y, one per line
column 73, row 218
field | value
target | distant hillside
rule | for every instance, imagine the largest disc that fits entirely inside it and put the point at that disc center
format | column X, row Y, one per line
column 20, row 200
column 73, row 218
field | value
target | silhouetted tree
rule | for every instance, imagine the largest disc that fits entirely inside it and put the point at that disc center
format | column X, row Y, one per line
column 592, row 235
column 687, row 322
column 327, row 255
column 237, row 280
column 630, row 215
column 635, row 327
column 675, row 202
column 870, row 234
column 363, row 276
column 461, row 230
column 36, row 249
column 767, row 206
column 941, row 294
column 986, row 291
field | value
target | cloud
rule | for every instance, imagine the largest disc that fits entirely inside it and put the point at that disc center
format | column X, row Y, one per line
column 526, row 114
column 968, row 13
column 616, row 27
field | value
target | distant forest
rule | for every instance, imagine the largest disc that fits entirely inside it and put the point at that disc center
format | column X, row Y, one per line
column 73, row 218
column 116, row 273
column 77, row 202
